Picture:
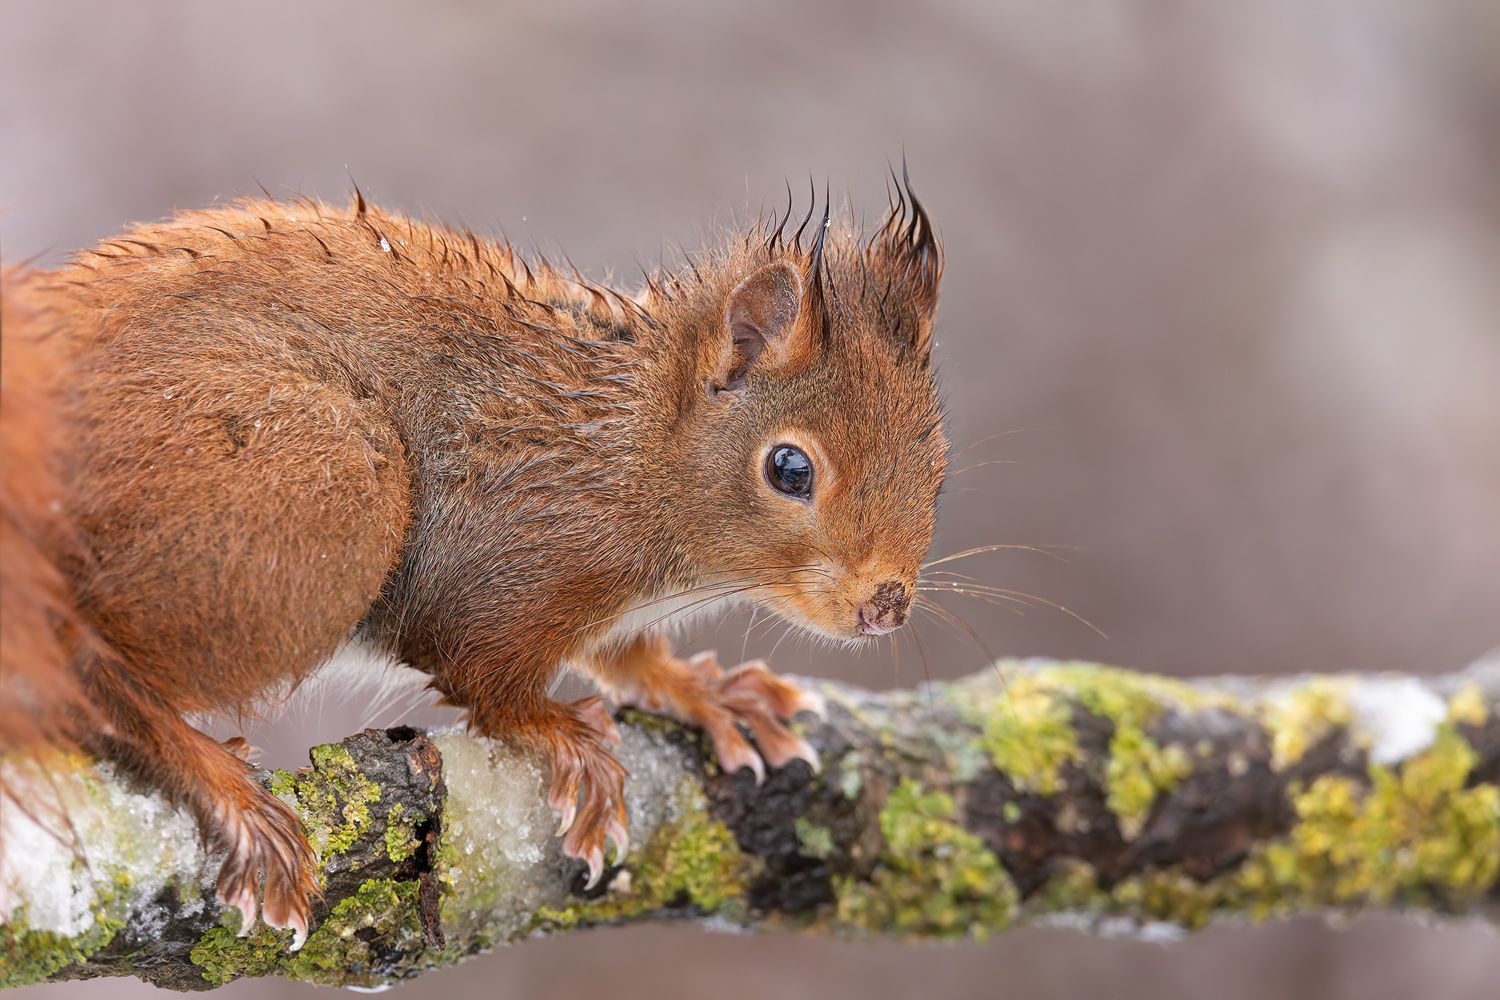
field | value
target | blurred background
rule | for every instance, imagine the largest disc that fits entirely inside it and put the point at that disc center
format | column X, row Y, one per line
column 1220, row 319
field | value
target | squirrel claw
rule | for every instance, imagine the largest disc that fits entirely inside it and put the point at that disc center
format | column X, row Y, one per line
column 596, row 867
column 616, row 831
column 242, row 899
column 735, row 754
column 569, row 813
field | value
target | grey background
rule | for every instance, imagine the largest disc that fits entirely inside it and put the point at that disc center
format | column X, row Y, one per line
column 1220, row 275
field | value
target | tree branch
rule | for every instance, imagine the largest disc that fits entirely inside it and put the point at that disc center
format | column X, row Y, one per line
column 1040, row 793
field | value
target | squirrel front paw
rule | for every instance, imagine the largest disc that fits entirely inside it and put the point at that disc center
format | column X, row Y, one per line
column 699, row 692
column 751, row 694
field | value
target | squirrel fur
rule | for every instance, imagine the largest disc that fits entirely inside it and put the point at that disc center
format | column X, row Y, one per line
column 235, row 439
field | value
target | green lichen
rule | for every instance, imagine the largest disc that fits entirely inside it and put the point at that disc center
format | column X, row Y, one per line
column 1415, row 835
column 1139, row 769
column 647, row 722
column 817, row 841
column 225, row 956
column 400, row 838
column 935, row 879
column 1138, row 772
column 1173, row 896
column 691, row 859
column 336, row 954
column 850, row 778
column 1073, row 886
column 1304, row 715
column 1029, row 733
column 1169, row 895
column 333, row 798
column 283, row 784
column 339, row 952
column 29, row 955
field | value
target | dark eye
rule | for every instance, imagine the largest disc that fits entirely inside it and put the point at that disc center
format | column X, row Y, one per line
column 789, row 471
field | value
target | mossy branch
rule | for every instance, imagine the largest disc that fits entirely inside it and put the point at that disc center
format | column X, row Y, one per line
column 1038, row 793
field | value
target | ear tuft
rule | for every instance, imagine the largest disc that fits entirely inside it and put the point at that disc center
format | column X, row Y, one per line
column 759, row 314
column 907, row 247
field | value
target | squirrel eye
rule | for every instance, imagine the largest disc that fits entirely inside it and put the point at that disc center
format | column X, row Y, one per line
column 789, row 471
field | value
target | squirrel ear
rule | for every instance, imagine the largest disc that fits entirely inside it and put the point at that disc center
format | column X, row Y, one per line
column 760, row 314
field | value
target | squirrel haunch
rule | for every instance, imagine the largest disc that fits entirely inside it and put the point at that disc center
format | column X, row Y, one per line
column 282, row 424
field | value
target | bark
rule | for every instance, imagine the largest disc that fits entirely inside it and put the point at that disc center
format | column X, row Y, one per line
column 1038, row 793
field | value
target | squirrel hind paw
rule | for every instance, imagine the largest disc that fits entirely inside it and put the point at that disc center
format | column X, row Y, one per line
column 265, row 836
column 588, row 788
column 593, row 713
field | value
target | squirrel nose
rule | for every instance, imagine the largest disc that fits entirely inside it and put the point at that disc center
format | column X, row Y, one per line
column 885, row 611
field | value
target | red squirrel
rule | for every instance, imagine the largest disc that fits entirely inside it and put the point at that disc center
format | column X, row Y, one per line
column 282, row 424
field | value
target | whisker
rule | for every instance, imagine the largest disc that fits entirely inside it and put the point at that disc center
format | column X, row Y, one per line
column 949, row 572
column 976, row 444
column 916, row 637
column 1000, row 602
column 1045, row 550
column 993, row 461
column 768, row 622
column 745, row 645
column 703, row 588
column 943, row 614
column 934, row 609
column 896, row 657
column 996, row 594
column 687, row 609
column 785, row 632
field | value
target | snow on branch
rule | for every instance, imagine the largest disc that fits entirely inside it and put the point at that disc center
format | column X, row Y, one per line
column 1038, row 793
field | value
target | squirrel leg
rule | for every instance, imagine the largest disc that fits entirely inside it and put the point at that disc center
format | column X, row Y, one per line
column 588, row 783
column 699, row 692
column 234, row 811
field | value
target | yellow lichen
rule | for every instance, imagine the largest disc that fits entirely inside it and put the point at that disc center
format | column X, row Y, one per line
column 1303, row 715
column 1029, row 734
column 1469, row 706
column 1416, row 835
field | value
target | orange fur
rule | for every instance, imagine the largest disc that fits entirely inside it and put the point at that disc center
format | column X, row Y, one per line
column 288, row 422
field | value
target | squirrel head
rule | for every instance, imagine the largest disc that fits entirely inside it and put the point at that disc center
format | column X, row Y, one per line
column 808, row 421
